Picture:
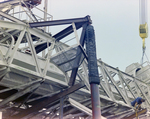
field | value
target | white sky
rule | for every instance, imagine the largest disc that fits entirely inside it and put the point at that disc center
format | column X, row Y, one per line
column 116, row 24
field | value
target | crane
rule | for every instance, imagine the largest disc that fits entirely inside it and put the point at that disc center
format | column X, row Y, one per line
column 143, row 28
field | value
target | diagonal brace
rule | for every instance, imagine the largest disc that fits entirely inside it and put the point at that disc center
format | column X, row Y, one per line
column 48, row 101
column 19, row 94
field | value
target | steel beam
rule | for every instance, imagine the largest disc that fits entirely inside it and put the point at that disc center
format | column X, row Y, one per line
column 29, row 10
column 34, row 55
column 75, row 70
column 5, row 38
column 41, row 47
column 48, row 59
column 80, row 106
column 122, row 77
column 19, row 94
column 54, row 115
column 12, row 25
column 19, row 86
column 138, row 113
column 16, row 46
column 114, row 83
column 107, row 87
column 108, row 109
column 44, row 96
column 33, row 31
column 144, row 95
column 61, row 108
column 126, row 94
column 60, row 22
column 73, row 115
column 66, row 31
column 48, row 101
column 47, row 110
column 6, row 3
column 11, row 18
column 120, row 115
column 85, row 79
column 73, row 110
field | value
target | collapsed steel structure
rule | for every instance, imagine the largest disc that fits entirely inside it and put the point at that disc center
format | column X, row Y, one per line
column 56, row 84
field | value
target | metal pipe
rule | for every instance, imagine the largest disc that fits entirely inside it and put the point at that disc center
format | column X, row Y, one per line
column 95, row 101
column 61, row 22
column 93, row 71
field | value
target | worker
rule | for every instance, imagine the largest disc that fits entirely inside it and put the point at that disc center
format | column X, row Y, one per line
column 137, row 102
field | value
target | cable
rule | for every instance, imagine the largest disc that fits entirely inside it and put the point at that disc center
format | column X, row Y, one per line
column 147, row 57
column 143, row 55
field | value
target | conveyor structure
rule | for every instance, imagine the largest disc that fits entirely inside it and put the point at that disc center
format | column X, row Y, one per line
column 56, row 85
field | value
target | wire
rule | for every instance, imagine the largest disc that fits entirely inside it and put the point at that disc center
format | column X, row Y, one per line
column 147, row 57
column 144, row 53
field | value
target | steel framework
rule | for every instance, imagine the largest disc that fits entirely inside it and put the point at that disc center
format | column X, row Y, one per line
column 56, row 85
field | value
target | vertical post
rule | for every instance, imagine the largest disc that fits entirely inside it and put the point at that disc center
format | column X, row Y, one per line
column 45, row 19
column 75, row 32
column 45, row 12
column 61, row 108
column 93, row 71
column 0, row 115
column 75, row 70
column 95, row 101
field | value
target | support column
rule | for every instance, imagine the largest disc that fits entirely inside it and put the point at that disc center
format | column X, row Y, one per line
column 94, row 79
column 61, row 108
column 95, row 101
column 45, row 19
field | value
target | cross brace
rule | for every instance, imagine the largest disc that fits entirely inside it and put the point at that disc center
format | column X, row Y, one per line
column 47, row 101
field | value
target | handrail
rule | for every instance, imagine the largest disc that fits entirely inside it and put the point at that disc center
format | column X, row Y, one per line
column 12, row 43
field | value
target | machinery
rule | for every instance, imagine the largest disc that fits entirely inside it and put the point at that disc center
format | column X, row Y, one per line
column 143, row 28
column 44, row 77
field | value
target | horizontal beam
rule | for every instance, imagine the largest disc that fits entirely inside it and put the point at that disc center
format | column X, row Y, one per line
column 60, row 35
column 80, row 106
column 36, row 32
column 60, row 22
column 11, row 18
column 20, row 86
column 19, row 94
column 48, row 101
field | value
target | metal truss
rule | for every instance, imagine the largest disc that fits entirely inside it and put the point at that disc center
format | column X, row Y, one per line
column 56, row 85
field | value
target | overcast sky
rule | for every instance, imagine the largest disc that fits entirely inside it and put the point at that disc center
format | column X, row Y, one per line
column 116, row 24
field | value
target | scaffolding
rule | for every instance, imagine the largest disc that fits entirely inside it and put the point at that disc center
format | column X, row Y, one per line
column 56, row 84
